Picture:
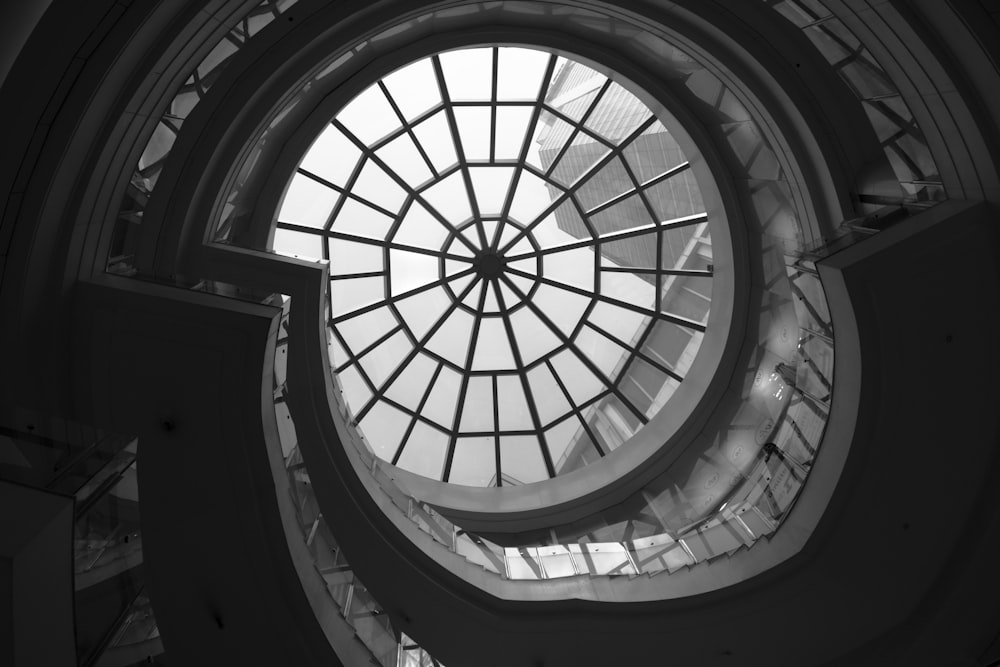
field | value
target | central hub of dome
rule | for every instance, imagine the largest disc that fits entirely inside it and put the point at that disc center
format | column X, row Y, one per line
column 489, row 265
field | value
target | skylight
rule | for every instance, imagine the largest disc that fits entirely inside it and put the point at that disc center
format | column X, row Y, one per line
column 521, row 268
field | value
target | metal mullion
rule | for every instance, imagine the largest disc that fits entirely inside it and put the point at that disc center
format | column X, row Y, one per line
column 397, row 297
column 499, row 103
column 493, row 130
column 344, row 236
column 460, row 152
column 410, row 190
column 408, row 128
column 419, row 344
column 697, row 273
column 569, row 121
column 577, row 126
column 525, row 385
column 496, row 426
column 676, row 223
column 575, row 410
column 595, row 168
column 649, row 360
column 345, row 191
column 413, row 421
column 571, row 345
column 384, row 337
column 464, row 388
column 412, row 413
column 680, row 321
column 348, row 276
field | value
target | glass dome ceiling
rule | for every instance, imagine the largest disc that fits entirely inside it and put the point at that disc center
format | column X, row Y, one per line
column 521, row 266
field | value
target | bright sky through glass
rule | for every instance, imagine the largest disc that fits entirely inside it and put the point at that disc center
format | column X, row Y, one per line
column 519, row 257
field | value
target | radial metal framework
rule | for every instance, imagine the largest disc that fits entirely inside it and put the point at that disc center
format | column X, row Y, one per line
column 503, row 234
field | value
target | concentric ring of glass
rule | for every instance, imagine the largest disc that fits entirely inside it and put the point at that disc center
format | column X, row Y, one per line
column 520, row 262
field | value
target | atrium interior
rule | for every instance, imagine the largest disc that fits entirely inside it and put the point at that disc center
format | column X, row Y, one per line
column 475, row 332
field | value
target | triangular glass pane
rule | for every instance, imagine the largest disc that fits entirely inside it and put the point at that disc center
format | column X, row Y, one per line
column 474, row 131
column 509, row 298
column 468, row 74
column 424, row 451
column 492, row 347
column 414, row 88
column 458, row 285
column 511, row 128
column 332, row 156
column 583, row 153
column 477, row 409
column 471, row 233
column 472, row 299
column 453, row 266
column 523, row 285
column 491, row 305
column 419, row 228
column 507, row 233
column 531, row 197
column 521, row 460
column 609, row 182
column 529, row 265
column 421, row 311
column 520, row 72
column 450, row 199
column 550, row 400
column 490, row 227
column 570, row 267
column 451, row 341
column 410, row 270
column 563, row 308
column 534, row 338
column 459, row 247
column 434, row 137
column 629, row 213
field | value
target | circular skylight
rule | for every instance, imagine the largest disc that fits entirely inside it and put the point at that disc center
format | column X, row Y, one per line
column 520, row 259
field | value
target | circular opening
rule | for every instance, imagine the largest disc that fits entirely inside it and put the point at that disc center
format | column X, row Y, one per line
column 521, row 263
